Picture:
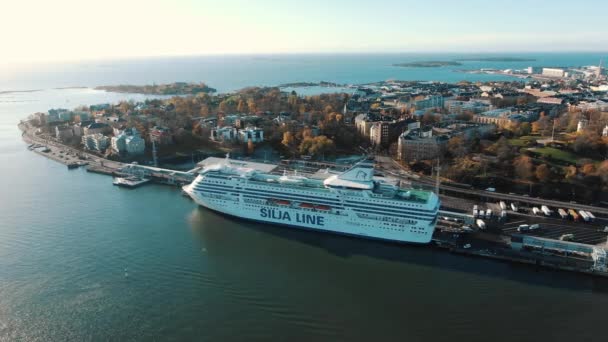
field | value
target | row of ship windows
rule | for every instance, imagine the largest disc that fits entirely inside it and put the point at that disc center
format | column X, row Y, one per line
column 293, row 190
column 306, row 194
column 357, row 210
column 334, row 203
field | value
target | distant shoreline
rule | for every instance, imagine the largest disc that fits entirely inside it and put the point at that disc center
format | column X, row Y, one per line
column 427, row 64
column 19, row 91
column 496, row 59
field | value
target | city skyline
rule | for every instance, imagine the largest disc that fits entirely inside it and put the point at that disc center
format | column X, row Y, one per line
column 67, row 30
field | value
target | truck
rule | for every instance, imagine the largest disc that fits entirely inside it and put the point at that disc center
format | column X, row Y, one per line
column 503, row 205
column 489, row 213
column 482, row 214
column 562, row 213
column 475, row 213
column 503, row 215
column 514, row 207
column 573, row 214
column 480, row 224
column 546, row 210
column 523, row 228
column 535, row 211
column 583, row 215
column 535, row 226
column 591, row 216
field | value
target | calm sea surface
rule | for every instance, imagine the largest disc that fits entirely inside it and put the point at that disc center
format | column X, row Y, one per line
column 82, row 260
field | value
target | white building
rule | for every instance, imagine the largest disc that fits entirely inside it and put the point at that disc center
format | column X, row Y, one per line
column 254, row 134
column 224, row 134
column 582, row 124
column 554, row 72
column 378, row 133
column 95, row 142
column 129, row 142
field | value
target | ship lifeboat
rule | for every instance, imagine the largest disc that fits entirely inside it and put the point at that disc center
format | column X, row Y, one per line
column 282, row 202
column 306, row 205
column 322, row 207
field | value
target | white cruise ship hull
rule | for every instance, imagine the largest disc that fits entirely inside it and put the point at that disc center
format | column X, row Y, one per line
column 345, row 222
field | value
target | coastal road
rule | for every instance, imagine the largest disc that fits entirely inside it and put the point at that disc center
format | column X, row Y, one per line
column 394, row 169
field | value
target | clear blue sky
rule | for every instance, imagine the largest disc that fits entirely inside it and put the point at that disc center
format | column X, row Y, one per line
column 76, row 29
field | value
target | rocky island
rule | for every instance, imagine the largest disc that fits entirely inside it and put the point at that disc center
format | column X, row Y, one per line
column 176, row 88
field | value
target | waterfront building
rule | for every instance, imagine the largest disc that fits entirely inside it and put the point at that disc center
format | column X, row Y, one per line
column 38, row 119
column 129, row 142
column 64, row 132
column 97, row 128
column 95, row 142
column 253, row 134
column 82, row 115
column 78, row 128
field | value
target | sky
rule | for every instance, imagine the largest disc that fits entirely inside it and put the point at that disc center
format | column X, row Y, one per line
column 66, row 30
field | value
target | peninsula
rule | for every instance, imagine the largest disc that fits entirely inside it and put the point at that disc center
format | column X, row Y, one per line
column 427, row 64
column 176, row 88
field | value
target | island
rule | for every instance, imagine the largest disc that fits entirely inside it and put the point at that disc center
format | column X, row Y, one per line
column 310, row 84
column 496, row 59
column 176, row 88
column 427, row 64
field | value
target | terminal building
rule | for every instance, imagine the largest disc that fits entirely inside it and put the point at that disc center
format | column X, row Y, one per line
column 594, row 256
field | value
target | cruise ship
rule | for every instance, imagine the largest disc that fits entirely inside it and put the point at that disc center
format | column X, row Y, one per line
column 353, row 203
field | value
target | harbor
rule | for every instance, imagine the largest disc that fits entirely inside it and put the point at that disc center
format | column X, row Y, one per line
column 457, row 230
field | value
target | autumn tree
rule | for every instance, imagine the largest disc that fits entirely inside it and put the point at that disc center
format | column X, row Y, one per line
column 457, row 147
column 570, row 172
column 543, row 173
column 242, row 106
column 317, row 146
column 523, row 167
column 288, row 139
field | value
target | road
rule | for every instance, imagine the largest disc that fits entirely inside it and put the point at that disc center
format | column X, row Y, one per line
column 55, row 146
column 392, row 168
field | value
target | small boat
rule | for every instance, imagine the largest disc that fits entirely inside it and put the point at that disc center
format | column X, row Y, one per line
column 130, row 182
column 322, row 207
column 72, row 166
column 306, row 205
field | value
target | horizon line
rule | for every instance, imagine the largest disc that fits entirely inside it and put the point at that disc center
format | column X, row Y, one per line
column 294, row 53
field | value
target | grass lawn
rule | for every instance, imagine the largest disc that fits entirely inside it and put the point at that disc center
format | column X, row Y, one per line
column 556, row 154
column 522, row 141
